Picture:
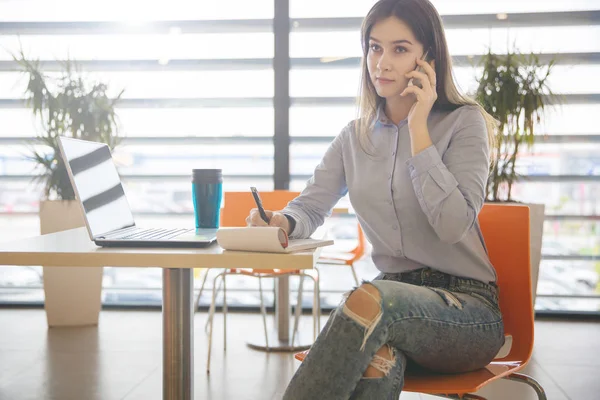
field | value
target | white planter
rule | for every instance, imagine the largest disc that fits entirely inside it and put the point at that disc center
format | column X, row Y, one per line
column 536, row 228
column 72, row 294
column 536, row 231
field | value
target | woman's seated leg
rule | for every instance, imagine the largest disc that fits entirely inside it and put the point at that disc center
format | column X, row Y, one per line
column 364, row 305
column 344, row 349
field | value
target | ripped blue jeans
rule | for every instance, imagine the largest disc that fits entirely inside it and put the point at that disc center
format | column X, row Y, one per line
column 428, row 320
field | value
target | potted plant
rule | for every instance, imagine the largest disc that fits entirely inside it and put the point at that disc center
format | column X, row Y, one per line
column 514, row 89
column 66, row 104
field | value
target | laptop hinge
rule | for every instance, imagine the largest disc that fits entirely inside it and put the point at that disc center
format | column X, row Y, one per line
column 118, row 232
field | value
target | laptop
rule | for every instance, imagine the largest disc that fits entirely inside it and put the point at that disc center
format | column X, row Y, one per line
column 107, row 214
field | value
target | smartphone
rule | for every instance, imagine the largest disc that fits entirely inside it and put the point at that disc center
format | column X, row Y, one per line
column 417, row 81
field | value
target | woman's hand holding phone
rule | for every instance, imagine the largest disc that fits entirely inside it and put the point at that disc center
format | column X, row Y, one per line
column 416, row 81
column 426, row 95
column 275, row 219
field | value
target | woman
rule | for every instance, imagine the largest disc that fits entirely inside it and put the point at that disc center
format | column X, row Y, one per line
column 415, row 165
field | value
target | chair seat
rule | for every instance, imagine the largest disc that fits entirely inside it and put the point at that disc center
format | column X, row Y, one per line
column 432, row 383
column 336, row 258
column 257, row 271
column 469, row 382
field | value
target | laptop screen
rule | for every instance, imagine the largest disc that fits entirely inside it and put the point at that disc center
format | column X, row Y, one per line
column 97, row 185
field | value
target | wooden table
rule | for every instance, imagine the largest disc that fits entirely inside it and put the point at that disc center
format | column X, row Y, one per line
column 73, row 248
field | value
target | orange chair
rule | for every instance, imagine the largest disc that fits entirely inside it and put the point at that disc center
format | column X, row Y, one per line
column 506, row 233
column 348, row 258
column 236, row 207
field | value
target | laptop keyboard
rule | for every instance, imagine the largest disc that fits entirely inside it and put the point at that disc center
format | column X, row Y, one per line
column 153, row 234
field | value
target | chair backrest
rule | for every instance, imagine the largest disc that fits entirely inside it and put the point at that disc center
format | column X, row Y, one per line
column 506, row 232
column 361, row 246
column 237, row 205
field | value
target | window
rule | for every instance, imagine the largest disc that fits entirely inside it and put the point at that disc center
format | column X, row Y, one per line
column 133, row 13
column 359, row 8
column 198, row 83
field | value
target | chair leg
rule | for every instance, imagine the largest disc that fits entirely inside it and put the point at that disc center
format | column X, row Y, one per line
column 512, row 377
column 218, row 289
column 354, row 275
column 316, row 306
column 298, row 307
column 263, row 311
column 211, row 315
column 528, row 381
column 317, row 303
column 224, row 314
column 201, row 289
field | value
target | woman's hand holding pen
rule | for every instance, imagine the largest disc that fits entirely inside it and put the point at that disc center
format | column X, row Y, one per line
column 275, row 219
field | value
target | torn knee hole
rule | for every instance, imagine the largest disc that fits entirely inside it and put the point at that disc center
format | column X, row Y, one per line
column 363, row 304
column 382, row 363
column 364, row 307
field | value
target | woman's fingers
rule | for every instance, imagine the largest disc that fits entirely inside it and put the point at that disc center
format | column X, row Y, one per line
column 281, row 221
column 277, row 219
column 417, row 91
column 429, row 70
column 254, row 219
column 425, row 82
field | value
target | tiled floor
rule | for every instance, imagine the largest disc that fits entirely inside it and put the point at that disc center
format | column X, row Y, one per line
column 121, row 359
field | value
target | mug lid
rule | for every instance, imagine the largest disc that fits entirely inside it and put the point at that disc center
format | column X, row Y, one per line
column 207, row 170
column 203, row 174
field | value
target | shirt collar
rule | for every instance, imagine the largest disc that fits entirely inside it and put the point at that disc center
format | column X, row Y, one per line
column 382, row 119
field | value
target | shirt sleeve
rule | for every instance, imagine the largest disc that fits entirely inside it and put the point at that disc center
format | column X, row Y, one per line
column 291, row 221
column 451, row 188
column 322, row 192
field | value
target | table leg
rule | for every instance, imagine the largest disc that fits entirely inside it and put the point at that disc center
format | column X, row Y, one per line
column 280, row 338
column 178, row 329
column 282, row 307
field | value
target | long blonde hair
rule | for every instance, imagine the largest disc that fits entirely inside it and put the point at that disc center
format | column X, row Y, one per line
column 426, row 24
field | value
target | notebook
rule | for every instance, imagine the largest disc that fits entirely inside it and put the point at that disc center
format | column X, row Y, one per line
column 265, row 239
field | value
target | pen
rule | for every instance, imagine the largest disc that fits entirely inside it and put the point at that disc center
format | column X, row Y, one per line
column 258, row 202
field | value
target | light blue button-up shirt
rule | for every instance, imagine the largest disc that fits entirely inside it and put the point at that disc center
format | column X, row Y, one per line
column 416, row 211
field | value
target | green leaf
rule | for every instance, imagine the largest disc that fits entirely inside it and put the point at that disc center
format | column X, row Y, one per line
column 513, row 89
column 79, row 108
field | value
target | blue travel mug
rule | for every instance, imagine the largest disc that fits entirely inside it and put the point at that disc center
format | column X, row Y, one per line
column 207, row 192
